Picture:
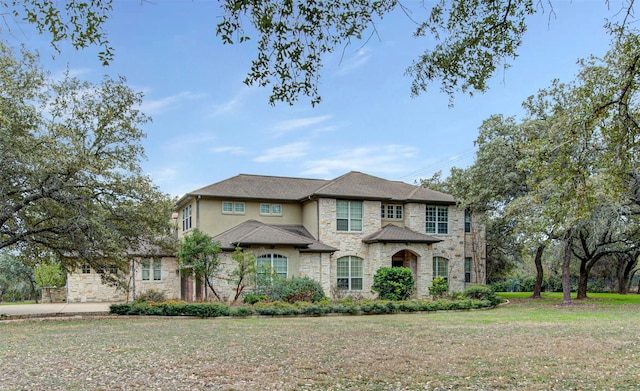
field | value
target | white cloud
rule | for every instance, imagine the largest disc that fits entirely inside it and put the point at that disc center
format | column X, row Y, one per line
column 292, row 124
column 235, row 103
column 151, row 107
column 284, row 153
column 385, row 159
column 230, row 150
column 362, row 57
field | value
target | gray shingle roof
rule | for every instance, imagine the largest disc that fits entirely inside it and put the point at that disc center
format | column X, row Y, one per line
column 252, row 232
column 359, row 185
column 393, row 234
column 261, row 187
column 354, row 185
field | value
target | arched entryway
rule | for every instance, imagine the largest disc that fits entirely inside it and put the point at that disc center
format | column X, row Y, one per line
column 406, row 258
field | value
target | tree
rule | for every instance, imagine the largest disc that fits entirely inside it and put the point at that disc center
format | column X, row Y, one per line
column 199, row 253
column 473, row 38
column 245, row 272
column 49, row 275
column 16, row 278
column 71, row 185
column 591, row 142
column 79, row 22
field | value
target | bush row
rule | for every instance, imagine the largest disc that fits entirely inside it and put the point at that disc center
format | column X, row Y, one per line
column 472, row 298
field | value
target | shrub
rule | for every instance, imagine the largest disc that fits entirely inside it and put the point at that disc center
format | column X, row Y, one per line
column 252, row 298
column 292, row 290
column 379, row 307
column 275, row 308
column 393, row 283
column 439, row 287
column 482, row 292
column 153, row 295
column 241, row 311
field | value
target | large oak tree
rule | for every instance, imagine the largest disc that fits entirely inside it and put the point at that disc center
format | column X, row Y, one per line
column 71, row 185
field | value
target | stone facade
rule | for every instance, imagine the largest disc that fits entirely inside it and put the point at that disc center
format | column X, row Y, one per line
column 87, row 285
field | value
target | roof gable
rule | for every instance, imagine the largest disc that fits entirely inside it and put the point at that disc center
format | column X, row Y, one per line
column 391, row 233
column 252, row 232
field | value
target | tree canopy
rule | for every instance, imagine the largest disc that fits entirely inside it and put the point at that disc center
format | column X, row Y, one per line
column 466, row 42
column 71, row 185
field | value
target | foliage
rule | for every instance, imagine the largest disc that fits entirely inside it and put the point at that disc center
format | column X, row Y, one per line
column 393, row 283
column 291, row 290
column 439, row 287
column 245, row 272
column 17, row 280
column 71, row 184
column 78, row 22
column 152, row 295
column 482, row 292
column 199, row 254
column 50, row 275
column 252, row 298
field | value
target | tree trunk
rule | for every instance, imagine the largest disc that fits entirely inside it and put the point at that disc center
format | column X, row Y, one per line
column 566, row 272
column 583, row 281
column 537, row 289
column 210, row 284
column 622, row 273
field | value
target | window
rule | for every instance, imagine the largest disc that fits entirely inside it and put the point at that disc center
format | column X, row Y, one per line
column 349, row 215
column 271, row 209
column 350, row 273
column 437, row 219
column 232, row 207
column 391, row 211
column 467, row 269
column 441, row 268
column 113, row 270
column 186, row 218
column 467, row 221
column 275, row 262
column 86, row 269
column 151, row 270
column 101, row 270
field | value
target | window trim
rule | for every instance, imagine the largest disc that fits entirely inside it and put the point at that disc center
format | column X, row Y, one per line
column 350, row 220
column 467, row 269
column 436, row 266
column 271, row 259
column 235, row 208
column 187, row 219
column 271, row 209
column 467, row 221
column 151, row 269
column 350, row 277
column 439, row 221
column 396, row 210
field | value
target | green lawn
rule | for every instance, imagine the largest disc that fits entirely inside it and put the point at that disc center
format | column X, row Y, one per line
column 524, row 345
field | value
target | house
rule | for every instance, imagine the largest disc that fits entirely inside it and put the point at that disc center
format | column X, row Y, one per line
column 338, row 231
column 150, row 269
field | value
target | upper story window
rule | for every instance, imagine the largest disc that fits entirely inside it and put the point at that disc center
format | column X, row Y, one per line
column 232, row 207
column 391, row 211
column 186, row 218
column 86, row 269
column 437, row 219
column 271, row 209
column 467, row 221
column 349, row 215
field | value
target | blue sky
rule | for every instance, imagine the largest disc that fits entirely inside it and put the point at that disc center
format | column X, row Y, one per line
column 208, row 126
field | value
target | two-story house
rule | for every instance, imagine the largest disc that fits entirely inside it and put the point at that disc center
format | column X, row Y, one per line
column 338, row 232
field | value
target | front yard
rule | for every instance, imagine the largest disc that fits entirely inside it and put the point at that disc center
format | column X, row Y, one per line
column 524, row 345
